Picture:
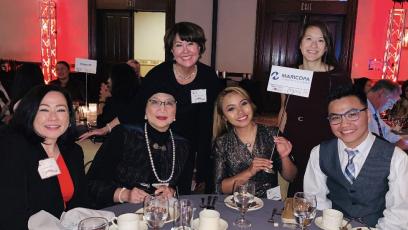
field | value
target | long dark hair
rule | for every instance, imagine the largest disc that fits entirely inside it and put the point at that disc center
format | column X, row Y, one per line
column 125, row 82
column 329, row 56
column 27, row 76
column 23, row 119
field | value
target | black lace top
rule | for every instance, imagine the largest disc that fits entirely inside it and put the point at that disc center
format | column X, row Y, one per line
column 232, row 157
column 123, row 161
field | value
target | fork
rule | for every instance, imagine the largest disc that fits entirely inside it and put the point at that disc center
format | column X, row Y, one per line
column 271, row 220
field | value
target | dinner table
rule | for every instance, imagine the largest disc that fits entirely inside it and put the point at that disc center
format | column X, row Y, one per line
column 258, row 218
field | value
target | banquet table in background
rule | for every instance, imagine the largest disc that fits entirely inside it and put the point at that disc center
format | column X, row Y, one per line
column 258, row 218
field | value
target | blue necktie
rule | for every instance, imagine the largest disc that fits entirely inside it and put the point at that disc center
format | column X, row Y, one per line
column 349, row 171
column 378, row 125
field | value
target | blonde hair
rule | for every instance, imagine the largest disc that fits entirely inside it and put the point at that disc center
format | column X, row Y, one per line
column 220, row 124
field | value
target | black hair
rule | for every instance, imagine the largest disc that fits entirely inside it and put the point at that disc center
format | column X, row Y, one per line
column 23, row 119
column 329, row 56
column 64, row 63
column 342, row 91
column 187, row 31
column 403, row 88
column 388, row 85
column 125, row 83
column 27, row 76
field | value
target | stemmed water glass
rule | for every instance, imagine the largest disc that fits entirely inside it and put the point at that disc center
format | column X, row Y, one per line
column 243, row 192
column 304, row 208
column 155, row 211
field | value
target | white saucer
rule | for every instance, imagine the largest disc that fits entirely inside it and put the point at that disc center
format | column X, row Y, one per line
column 169, row 219
column 363, row 228
column 318, row 222
column 142, row 226
column 222, row 224
column 231, row 204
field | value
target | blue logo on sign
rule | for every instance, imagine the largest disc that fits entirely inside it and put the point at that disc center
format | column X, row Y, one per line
column 275, row 75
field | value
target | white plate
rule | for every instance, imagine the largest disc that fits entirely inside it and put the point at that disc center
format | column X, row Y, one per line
column 222, row 224
column 318, row 222
column 231, row 204
column 142, row 226
column 363, row 228
column 140, row 210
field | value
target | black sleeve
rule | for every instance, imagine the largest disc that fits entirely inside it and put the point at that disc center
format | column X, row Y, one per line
column 14, row 189
column 101, row 174
column 108, row 113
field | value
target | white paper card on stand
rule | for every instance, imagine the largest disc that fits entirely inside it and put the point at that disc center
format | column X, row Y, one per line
column 85, row 65
column 274, row 193
column 290, row 81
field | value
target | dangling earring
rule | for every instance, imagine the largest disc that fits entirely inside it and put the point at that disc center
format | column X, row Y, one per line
column 145, row 117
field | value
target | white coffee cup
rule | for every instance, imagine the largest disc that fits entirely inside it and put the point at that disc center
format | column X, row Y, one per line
column 128, row 221
column 209, row 219
column 332, row 219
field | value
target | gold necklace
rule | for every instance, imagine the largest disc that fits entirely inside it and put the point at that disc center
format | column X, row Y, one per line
column 180, row 76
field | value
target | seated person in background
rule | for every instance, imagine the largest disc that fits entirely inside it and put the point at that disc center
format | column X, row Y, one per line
column 242, row 148
column 362, row 84
column 41, row 167
column 381, row 97
column 75, row 87
column 133, row 158
column 358, row 173
column 400, row 110
column 118, row 94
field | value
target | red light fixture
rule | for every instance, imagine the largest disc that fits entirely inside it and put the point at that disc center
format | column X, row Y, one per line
column 48, row 23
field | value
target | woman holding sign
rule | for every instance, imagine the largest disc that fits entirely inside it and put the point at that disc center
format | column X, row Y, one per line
column 242, row 148
column 304, row 120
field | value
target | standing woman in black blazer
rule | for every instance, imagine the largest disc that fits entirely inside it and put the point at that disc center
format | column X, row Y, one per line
column 41, row 167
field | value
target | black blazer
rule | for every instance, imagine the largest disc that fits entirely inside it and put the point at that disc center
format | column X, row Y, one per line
column 23, row 192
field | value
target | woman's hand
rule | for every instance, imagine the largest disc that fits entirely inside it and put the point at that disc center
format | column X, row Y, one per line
column 283, row 146
column 259, row 164
column 96, row 132
column 136, row 196
column 164, row 191
column 104, row 92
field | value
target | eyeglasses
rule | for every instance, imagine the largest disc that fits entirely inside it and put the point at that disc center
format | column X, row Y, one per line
column 351, row 115
column 168, row 104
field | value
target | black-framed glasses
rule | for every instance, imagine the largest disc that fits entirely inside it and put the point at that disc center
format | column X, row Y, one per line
column 156, row 103
column 351, row 115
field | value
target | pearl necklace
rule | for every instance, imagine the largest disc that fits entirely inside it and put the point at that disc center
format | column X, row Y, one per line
column 151, row 157
column 178, row 75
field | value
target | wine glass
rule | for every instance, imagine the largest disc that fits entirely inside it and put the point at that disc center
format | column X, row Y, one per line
column 304, row 208
column 93, row 223
column 155, row 211
column 243, row 192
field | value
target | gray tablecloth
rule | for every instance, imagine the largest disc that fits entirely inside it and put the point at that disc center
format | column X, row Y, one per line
column 258, row 218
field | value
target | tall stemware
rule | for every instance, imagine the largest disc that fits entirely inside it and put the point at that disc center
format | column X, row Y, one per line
column 304, row 209
column 243, row 192
column 155, row 211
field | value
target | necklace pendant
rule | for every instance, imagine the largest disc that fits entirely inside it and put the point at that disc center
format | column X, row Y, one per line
column 248, row 145
column 161, row 147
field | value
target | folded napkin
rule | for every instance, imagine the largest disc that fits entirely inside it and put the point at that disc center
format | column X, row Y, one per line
column 43, row 220
column 287, row 214
column 71, row 219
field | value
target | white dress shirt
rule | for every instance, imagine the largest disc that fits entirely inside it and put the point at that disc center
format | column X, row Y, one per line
column 396, row 199
column 386, row 129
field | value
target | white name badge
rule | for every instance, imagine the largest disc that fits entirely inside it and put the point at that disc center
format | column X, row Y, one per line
column 198, row 96
column 290, row 81
column 48, row 168
column 274, row 193
column 85, row 65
